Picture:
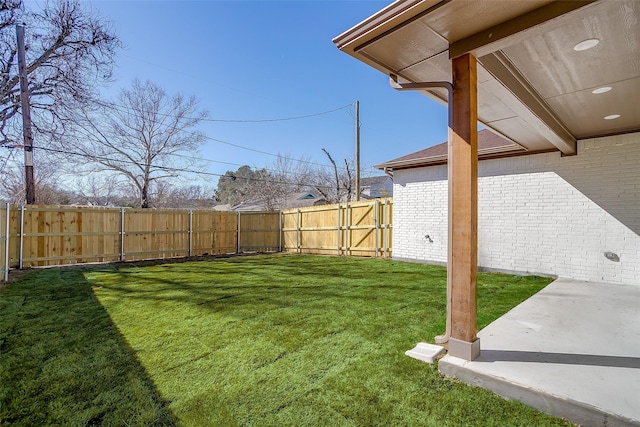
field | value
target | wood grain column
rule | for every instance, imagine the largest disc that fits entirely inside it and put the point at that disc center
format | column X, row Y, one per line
column 463, row 208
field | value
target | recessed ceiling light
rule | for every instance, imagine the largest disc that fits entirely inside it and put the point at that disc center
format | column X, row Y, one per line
column 612, row 117
column 586, row 44
column 603, row 89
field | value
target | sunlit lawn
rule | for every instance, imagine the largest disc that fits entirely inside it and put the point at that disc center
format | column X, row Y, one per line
column 280, row 340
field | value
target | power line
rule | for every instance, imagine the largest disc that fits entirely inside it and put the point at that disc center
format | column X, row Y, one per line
column 280, row 119
column 170, row 169
column 125, row 109
column 204, row 159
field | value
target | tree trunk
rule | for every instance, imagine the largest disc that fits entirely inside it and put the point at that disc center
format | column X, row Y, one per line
column 144, row 195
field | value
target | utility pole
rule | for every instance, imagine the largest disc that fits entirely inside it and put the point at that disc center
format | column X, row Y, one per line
column 30, row 187
column 357, row 151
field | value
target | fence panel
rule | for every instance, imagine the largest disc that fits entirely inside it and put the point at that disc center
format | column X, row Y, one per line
column 214, row 232
column 259, row 232
column 56, row 235
column 355, row 228
column 155, row 234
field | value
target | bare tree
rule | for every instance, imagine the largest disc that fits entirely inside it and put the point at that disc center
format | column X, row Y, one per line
column 47, row 179
column 69, row 51
column 100, row 190
column 188, row 196
column 335, row 185
column 287, row 176
column 145, row 137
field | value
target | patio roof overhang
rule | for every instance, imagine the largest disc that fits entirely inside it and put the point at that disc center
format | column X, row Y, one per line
column 534, row 87
column 541, row 73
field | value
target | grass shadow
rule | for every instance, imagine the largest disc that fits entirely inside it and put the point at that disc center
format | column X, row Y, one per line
column 63, row 361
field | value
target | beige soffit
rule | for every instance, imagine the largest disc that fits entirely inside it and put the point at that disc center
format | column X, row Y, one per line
column 533, row 87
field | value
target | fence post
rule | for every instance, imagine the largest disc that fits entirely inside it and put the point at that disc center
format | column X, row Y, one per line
column 190, row 231
column 347, row 251
column 238, row 235
column 375, row 225
column 298, row 231
column 20, row 255
column 386, row 227
column 121, row 234
column 6, row 245
column 339, row 231
column 280, row 226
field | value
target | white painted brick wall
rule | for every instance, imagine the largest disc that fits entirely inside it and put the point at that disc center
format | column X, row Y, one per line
column 542, row 213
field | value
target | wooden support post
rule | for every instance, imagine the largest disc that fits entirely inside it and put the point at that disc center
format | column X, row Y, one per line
column 463, row 208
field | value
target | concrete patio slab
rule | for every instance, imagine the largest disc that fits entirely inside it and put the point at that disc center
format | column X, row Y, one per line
column 572, row 350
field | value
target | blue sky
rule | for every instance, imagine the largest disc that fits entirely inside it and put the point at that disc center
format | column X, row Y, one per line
column 254, row 60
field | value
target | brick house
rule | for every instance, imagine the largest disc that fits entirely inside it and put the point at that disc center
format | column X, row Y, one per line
column 573, row 216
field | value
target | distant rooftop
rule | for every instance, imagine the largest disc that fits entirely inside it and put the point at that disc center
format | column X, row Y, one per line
column 372, row 180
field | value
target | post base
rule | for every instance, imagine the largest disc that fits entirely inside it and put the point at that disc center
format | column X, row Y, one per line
column 464, row 349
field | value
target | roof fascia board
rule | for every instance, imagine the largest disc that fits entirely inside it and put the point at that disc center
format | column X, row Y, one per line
column 395, row 14
column 442, row 160
column 505, row 150
column 533, row 108
column 515, row 30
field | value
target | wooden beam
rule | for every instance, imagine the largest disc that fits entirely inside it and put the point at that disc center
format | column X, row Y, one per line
column 532, row 107
column 515, row 30
column 463, row 207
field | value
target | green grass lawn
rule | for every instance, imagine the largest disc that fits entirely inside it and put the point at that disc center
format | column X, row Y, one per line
column 279, row 340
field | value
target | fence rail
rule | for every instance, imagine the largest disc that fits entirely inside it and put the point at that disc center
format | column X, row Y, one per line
column 39, row 236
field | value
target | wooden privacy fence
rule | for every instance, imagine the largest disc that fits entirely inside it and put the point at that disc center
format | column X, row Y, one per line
column 39, row 236
column 57, row 235
column 352, row 229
